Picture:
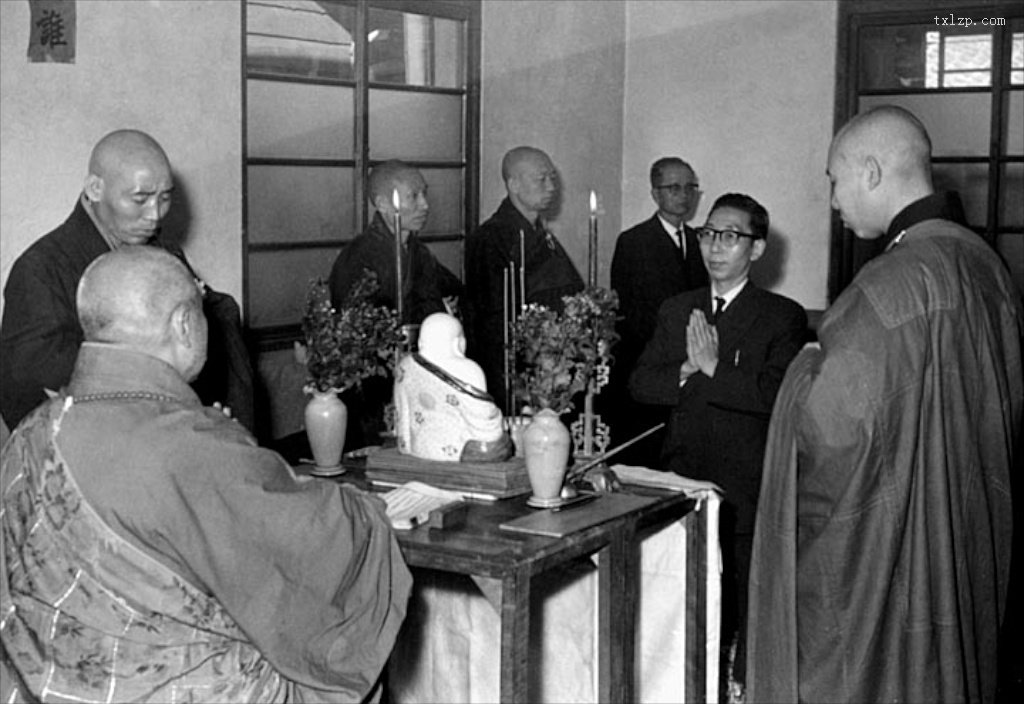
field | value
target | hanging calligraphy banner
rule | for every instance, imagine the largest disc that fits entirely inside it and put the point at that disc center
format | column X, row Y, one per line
column 52, row 35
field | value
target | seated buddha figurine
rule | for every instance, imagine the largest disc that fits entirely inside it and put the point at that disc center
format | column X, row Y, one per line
column 442, row 408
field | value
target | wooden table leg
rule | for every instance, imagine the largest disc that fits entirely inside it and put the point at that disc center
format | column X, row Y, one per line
column 515, row 637
column 619, row 585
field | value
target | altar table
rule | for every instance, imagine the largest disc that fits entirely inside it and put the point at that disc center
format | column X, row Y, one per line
column 515, row 571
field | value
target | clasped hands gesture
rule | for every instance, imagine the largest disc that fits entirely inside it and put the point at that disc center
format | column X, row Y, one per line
column 701, row 347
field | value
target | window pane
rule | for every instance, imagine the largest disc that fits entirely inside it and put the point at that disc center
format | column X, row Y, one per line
column 291, row 120
column 278, row 282
column 1011, row 247
column 449, row 254
column 971, row 181
column 958, row 123
column 408, row 125
column 893, row 57
column 300, row 203
column 1011, row 199
column 1014, row 138
column 445, row 196
column 924, row 56
column 415, row 50
column 300, row 38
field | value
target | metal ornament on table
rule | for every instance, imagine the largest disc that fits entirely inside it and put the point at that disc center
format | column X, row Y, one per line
column 590, row 435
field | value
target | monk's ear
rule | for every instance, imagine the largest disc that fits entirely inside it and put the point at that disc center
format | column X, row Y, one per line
column 93, row 188
column 872, row 172
column 185, row 324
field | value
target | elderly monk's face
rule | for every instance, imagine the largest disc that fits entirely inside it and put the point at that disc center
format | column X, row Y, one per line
column 535, row 182
column 134, row 200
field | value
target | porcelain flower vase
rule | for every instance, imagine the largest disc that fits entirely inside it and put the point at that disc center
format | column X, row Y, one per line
column 546, row 448
column 326, row 421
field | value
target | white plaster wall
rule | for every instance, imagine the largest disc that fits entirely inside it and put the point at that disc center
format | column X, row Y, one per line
column 168, row 67
column 553, row 79
column 744, row 92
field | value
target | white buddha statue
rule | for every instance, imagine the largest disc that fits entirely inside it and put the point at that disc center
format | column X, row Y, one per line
column 442, row 408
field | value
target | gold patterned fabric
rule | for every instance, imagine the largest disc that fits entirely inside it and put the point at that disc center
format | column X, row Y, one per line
column 88, row 617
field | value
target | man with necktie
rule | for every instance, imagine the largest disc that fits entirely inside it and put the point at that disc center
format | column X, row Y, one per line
column 515, row 230
column 720, row 379
column 653, row 261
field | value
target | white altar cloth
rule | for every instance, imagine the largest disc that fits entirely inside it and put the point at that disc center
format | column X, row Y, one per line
column 448, row 650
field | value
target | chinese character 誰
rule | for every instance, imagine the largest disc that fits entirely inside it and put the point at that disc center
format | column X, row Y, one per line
column 51, row 29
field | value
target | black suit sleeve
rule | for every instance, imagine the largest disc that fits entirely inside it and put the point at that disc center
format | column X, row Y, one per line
column 655, row 379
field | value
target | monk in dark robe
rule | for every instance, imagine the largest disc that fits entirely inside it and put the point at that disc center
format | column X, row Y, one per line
column 882, row 544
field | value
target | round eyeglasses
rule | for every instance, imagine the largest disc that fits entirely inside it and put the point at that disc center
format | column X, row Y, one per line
column 728, row 238
column 677, row 188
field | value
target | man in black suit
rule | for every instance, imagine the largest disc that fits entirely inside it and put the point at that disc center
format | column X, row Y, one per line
column 717, row 357
column 653, row 261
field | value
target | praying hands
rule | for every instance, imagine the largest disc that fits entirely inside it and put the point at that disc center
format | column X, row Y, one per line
column 701, row 345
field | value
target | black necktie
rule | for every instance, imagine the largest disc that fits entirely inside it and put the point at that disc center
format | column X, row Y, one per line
column 719, row 305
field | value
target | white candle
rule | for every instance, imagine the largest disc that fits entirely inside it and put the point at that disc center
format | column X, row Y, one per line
column 399, row 303
column 592, row 245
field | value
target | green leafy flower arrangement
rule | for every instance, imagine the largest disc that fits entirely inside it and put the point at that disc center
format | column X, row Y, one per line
column 344, row 347
column 557, row 354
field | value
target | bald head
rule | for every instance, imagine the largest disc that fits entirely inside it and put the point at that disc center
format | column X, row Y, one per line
column 391, row 177
column 385, row 178
column 879, row 163
column 122, row 150
column 145, row 299
column 129, row 186
column 530, row 179
column 518, row 158
column 891, row 135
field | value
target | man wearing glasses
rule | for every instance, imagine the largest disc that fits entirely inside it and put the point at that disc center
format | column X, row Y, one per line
column 653, row 261
column 717, row 357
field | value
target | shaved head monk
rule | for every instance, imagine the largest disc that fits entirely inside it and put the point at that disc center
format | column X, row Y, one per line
column 126, row 196
column 129, row 187
column 883, row 536
column 515, row 232
column 154, row 552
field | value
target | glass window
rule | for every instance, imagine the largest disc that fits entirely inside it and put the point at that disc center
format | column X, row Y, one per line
column 300, row 204
column 966, row 60
column 278, row 281
column 415, row 50
column 300, row 38
column 1017, row 59
column 413, row 125
column 971, row 181
column 923, row 56
column 1011, row 200
column 958, row 123
column 1013, row 134
column 316, row 121
column 290, row 120
column 947, row 75
column 444, row 192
